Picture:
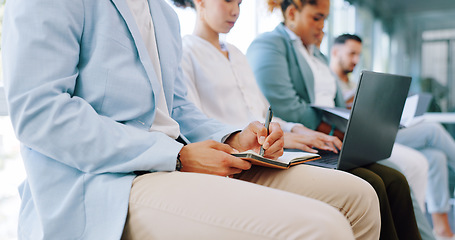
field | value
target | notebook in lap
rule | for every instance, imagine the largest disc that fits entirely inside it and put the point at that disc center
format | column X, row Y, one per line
column 373, row 123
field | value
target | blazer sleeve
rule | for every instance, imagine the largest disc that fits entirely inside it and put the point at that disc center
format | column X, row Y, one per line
column 269, row 56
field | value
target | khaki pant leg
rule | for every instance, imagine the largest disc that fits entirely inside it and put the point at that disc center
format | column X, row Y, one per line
column 179, row 205
column 351, row 195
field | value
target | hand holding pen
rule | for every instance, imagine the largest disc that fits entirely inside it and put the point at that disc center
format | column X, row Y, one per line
column 268, row 141
column 268, row 119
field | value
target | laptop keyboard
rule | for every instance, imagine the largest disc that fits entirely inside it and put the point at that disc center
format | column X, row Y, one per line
column 327, row 157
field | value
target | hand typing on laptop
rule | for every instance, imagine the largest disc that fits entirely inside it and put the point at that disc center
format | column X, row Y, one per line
column 301, row 135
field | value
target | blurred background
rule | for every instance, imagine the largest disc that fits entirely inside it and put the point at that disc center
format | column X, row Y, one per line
column 407, row 37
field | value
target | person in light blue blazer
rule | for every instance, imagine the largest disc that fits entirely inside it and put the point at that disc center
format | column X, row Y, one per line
column 96, row 97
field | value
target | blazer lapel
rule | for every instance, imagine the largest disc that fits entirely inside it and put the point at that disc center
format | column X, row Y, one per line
column 304, row 67
column 125, row 12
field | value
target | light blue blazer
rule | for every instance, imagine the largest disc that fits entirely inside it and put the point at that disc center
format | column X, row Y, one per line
column 81, row 92
column 285, row 77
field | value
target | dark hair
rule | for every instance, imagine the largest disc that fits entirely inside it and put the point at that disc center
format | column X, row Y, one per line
column 344, row 37
column 184, row 3
column 284, row 4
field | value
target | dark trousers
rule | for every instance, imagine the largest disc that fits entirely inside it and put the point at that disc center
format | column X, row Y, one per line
column 397, row 213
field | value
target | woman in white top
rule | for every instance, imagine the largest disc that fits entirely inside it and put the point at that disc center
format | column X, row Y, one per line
column 221, row 83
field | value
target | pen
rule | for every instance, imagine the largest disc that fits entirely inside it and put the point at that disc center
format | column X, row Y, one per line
column 268, row 119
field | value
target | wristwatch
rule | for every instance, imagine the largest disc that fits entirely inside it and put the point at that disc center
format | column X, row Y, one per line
column 178, row 163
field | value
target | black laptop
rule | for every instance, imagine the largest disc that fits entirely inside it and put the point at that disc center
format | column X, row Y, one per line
column 373, row 122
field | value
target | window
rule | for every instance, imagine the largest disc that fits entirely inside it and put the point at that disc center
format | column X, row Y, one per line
column 343, row 16
column 254, row 19
column 2, row 7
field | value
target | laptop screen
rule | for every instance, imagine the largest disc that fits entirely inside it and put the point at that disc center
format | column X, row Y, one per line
column 374, row 119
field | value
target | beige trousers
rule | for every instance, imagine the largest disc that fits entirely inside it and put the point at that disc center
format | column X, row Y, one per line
column 177, row 205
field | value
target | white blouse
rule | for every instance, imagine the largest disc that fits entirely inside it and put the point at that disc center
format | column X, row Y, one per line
column 224, row 89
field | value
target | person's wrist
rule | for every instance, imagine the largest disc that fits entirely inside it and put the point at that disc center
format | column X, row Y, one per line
column 178, row 163
column 233, row 140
